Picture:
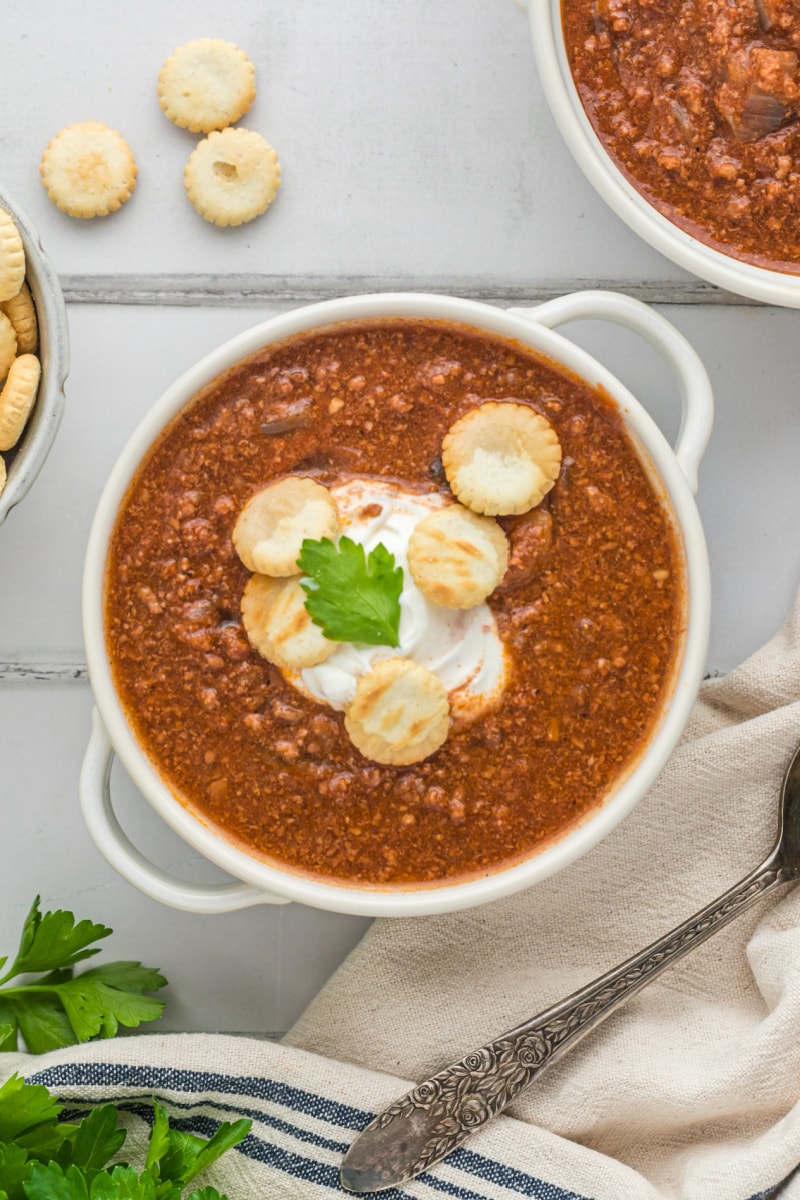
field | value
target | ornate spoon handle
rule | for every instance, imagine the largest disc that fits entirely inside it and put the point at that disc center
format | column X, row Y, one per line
column 425, row 1125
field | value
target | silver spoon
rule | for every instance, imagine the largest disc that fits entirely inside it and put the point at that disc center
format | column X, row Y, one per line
column 420, row 1129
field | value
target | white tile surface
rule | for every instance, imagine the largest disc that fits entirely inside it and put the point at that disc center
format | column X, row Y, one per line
column 416, row 147
column 419, row 125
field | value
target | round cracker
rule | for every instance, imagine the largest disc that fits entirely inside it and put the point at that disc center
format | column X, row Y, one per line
column 88, row 170
column 17, row 398
column 206, row 84
column 456, row 557
column 271, row 528
column 400, row 712
column 278, row 626
column 232, row 176
column 12, row 257
column 3, row 475
column 8, row 345
column 21, row 312
column 501, row 458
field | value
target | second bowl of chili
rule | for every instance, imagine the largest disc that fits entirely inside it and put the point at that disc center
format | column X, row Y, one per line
column 684, row 118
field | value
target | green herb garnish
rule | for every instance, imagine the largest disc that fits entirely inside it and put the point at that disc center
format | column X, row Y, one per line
column 352, row 597
column 42, row 1158
column 60, row 1008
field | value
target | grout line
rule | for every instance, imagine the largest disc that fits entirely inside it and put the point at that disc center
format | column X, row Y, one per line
column 251, row 291
column 17, row 671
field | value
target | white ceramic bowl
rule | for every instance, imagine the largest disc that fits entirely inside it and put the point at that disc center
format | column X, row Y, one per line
column 675, row 473
column 27, row 458
column 758, row 283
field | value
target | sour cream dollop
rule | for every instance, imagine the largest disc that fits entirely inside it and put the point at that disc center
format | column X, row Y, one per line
column 461, row 646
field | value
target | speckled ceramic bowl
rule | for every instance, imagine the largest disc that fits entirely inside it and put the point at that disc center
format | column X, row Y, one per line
column 24, row 462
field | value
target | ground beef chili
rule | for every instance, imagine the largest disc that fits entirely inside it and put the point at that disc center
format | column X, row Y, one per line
column 591, row 610
column 698, row 103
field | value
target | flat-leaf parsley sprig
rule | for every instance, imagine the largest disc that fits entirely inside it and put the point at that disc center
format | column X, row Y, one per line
column 43, row 1158
column 60, row 1008
column 352, row 596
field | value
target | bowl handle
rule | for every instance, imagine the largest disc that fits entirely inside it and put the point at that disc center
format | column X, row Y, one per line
column 117, row 849
column 697, row 398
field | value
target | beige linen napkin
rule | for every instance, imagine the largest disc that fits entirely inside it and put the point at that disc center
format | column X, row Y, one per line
column 694, row 1085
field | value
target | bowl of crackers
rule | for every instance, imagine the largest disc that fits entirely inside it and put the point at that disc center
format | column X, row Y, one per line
column 395, row 604
column 34, row 354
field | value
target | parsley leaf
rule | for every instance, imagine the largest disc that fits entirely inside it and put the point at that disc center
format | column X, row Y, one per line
column 60, row 1008
column 178, row 1157
column 14, row 1170
column 352, row 597
column 159, row 1136
column 25, row 1109
column 44, row 1159
column 95, row 1007
column 52, row 940
column 97, row 1139
column 42, row 1022
column 49, row 1182
column 228, row 1134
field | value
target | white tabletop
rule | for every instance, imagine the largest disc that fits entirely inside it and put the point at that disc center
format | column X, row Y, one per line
column 417, row 153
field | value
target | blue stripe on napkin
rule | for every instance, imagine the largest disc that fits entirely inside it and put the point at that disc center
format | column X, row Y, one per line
column 228, row 1095
column 208, row 1087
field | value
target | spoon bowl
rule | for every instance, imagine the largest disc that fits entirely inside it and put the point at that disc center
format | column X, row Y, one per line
column 787, row 850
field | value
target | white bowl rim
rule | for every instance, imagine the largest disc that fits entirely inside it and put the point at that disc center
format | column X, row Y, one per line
column 38, row 437
column 707, row 262
column 403, row 901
